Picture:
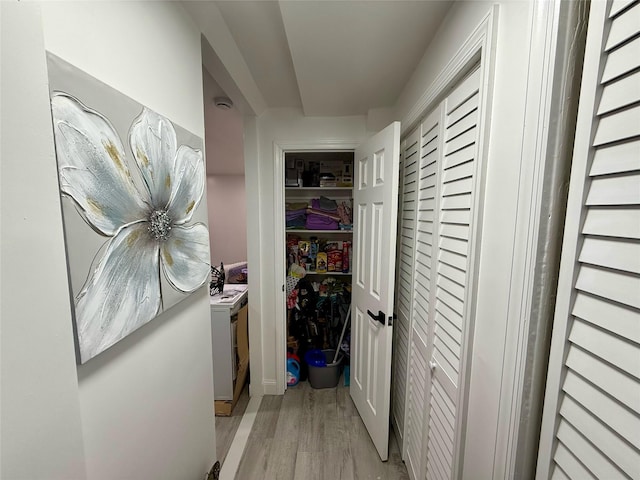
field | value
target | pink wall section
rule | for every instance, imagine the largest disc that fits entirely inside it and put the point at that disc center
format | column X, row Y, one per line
column 223, row 133
column 227, row 218
column 226, row 200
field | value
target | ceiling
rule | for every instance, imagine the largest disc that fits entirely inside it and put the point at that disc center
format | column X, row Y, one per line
column 330, row 58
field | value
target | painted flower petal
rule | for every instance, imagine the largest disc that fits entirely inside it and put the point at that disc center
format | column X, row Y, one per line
column 188, row 188
column 92, row 168
column 153, row 143
column 185, row 257
column 122, row 293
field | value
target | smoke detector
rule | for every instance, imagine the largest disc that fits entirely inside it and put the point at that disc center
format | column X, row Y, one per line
column 223, row 103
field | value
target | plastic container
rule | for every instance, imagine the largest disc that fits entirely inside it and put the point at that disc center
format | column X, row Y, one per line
column 316, row 357
column 322, row 373
column 293, row 372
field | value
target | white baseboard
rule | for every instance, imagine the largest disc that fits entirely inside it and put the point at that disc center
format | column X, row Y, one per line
column 270, row 387
column 236, row 450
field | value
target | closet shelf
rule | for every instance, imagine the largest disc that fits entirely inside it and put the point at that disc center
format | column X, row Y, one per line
column 324, row 232
column 331, row 274
column 297, row 189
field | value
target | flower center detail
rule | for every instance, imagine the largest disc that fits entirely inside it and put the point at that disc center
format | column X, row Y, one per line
column 159, row 225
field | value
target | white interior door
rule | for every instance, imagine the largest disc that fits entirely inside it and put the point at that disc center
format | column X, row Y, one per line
column 375, row 207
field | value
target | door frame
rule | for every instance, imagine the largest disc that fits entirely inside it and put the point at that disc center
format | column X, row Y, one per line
column 538, row 236
column 280, row 148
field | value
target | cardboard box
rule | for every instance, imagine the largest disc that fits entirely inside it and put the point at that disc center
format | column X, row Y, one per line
column 224, row 408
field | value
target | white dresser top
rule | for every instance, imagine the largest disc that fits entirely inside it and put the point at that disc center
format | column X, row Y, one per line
column 231, row 295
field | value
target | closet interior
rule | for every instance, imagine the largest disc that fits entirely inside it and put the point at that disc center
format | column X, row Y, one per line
column 318, row 252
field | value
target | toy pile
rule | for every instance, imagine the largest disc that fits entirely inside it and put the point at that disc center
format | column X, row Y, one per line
column 316, row 314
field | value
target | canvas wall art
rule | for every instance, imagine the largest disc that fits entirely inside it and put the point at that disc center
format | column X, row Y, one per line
column 132, row 189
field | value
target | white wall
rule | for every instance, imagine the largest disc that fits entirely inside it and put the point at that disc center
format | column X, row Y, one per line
column 41, row 435
column 227, row 218
column 280, row 126
column 146, row 404
column 504, row 161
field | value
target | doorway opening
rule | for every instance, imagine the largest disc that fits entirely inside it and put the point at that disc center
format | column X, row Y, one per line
column 226, row 198
column 297, row 182
column 318, row 229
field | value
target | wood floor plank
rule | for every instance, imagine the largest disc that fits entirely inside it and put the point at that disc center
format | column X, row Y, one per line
column 367, row 464
column 315, row 434
column 395, row 465
column 255, row 468
column 257, row 451
column 338, row 461
column 345, row 404
column 282, row 459
column 226, row 427
column 312, row 432
column 309, row 466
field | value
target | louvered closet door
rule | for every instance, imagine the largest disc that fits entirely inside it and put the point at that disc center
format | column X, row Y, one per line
column 591, row 418
column 455, row 203
column 404, row 282
column 421, row 329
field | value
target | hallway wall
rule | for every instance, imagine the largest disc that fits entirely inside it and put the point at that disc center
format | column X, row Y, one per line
column 41, row 434
column 143, row 408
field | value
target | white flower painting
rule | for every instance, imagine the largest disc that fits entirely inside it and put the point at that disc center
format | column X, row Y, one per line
column 141, row 200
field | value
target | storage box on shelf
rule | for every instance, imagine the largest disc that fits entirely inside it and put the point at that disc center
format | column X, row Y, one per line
column 319, row 255
column 319, row 169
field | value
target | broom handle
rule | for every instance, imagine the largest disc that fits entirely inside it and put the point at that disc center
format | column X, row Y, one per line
column 344, row 328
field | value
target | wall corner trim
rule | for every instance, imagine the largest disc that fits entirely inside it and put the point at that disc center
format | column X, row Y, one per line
column 481, row 37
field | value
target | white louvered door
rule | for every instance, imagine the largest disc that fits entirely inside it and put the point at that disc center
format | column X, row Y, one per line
column 404, row 282
column 591, row 417
column 451, row 284
column 421, row 334
column 440, row 172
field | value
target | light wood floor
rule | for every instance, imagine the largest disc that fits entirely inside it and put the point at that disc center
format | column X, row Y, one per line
column 226, row 427
column 310, row 434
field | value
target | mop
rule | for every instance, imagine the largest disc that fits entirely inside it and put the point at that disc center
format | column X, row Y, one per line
column 344, row 329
